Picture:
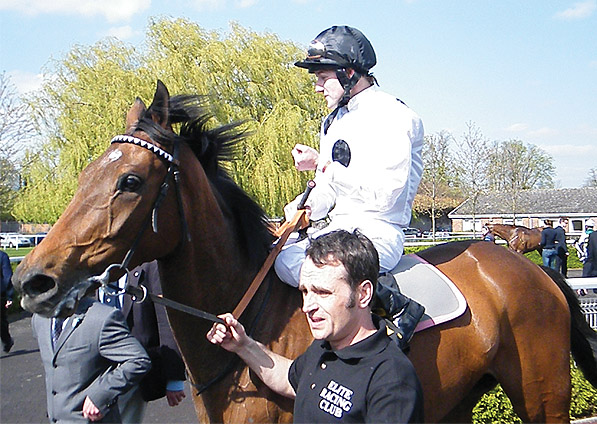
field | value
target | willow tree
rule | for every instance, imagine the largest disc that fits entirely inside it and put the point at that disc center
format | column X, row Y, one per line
column 79, row 107
column 250, row 77
column 244, row 75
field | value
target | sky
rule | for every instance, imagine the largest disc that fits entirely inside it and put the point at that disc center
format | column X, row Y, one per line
column 517, row 69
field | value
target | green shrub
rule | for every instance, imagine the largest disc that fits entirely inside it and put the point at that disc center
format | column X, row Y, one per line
column 494, row 407
column 584, row 396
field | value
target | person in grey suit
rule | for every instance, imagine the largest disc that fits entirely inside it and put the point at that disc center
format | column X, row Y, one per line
column 93, row 361
column 149, row 324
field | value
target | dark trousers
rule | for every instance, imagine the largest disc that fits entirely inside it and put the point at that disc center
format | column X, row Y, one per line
column 562, row 262
column 4, row 323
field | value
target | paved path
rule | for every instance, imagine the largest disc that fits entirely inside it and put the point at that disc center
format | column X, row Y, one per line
column 22, row 387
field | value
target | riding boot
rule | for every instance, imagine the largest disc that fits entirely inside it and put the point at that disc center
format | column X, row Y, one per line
column 403, row 312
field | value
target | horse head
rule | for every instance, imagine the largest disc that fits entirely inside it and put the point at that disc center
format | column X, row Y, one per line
column 110, row 209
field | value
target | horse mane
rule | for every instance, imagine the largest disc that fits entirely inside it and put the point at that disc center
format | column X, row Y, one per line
column 213, row 147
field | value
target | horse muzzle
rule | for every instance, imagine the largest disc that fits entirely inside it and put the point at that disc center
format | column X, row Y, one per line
column 41, row 294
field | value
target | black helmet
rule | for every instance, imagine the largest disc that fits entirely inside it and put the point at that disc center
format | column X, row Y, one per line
column 340, row 47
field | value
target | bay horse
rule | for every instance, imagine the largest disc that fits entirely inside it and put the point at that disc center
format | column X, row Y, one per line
column 521, row 239
column 518, row 330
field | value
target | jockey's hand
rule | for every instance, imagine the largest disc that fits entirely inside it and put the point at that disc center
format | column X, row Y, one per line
column 291, row 209
column 305, row 157
column 231, row 336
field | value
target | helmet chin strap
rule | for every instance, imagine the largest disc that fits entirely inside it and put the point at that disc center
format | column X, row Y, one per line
column 347, row 84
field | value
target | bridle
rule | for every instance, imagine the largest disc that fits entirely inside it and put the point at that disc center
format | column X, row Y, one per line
column 172, row 174
column 140, row 293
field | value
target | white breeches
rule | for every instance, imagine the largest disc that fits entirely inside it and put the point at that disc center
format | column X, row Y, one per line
column 387, row 239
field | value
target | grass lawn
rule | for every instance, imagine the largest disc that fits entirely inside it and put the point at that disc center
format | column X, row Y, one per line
column 12, row 252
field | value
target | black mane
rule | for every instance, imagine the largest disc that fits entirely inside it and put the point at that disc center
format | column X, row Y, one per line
column 212, row 147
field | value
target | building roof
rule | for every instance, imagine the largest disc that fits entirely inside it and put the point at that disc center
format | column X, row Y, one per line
column 563, row 201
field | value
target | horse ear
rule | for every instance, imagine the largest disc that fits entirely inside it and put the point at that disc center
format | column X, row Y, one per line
column 134, row 114
column 159, row 106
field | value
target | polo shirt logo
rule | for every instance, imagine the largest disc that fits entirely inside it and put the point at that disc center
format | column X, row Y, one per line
column 335, row 399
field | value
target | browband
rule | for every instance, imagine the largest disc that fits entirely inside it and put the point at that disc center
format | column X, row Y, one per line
column 149, row 146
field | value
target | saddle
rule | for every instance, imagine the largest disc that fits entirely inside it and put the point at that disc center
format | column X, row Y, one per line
column 427, row 285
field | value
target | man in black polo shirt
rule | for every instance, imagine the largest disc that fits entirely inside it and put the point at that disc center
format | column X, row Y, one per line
column 352, row 372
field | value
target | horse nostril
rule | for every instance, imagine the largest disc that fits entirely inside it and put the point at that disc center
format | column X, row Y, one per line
column 38, row 284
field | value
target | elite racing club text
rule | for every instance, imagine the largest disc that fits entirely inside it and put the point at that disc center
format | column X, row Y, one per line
column 335, row 399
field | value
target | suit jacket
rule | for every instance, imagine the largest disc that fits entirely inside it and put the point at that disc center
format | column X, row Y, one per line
column 149, row 324
column 561, row 240
column 95, row 356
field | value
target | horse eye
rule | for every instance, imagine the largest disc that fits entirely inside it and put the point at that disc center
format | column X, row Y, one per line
column 129, row 182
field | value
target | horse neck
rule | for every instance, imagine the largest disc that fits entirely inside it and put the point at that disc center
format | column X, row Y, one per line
column 212, row 259
column 209, row 273
column 503, row 231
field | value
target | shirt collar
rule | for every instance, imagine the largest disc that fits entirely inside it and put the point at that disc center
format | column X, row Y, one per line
column 373, row 344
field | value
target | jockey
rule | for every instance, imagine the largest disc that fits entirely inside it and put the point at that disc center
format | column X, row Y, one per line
column 369, row 165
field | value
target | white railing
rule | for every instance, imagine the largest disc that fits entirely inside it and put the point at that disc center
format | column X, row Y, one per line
column 587, row 303
column 589, row 308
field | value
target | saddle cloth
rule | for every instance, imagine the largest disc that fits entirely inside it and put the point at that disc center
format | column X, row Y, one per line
column 427, row 285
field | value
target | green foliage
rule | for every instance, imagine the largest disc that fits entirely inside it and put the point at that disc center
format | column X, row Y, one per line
column 515, row 166
column 494, row 407
column 584, row 396
column 245, row 76
column 79, row 110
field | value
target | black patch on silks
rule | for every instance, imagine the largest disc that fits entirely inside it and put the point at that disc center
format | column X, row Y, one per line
column 341, row 152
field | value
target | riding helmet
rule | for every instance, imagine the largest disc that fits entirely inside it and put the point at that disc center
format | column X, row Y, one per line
column 340, row 47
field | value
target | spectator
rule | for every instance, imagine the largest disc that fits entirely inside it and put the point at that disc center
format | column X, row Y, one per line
column 6, row 296
column 581, row 243
column 590, row 266
column 352, row 372
column 488, row 235
column 548, row 243
column 561, row 248
column 148, row 323
column 90, row 359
